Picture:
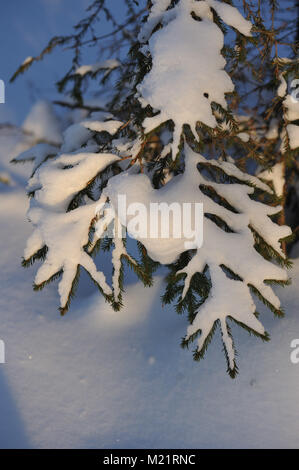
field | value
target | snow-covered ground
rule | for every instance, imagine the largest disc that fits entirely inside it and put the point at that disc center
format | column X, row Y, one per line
column 100, row 379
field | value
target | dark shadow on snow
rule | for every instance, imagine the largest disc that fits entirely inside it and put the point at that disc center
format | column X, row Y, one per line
column 12, row 429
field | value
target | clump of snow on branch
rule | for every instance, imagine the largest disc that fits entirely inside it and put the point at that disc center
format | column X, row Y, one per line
column 79, row 133
column 277, row 175
column 107, row 66
column 65, row 232
column 188, row 73
column 236, row 251
column 291, row 113
column 283, row 87
column 37, row 154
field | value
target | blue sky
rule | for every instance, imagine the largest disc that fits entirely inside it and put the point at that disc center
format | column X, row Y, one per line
column 25, row 28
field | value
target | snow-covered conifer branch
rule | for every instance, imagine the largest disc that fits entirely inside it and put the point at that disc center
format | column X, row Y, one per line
column 168, row 144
